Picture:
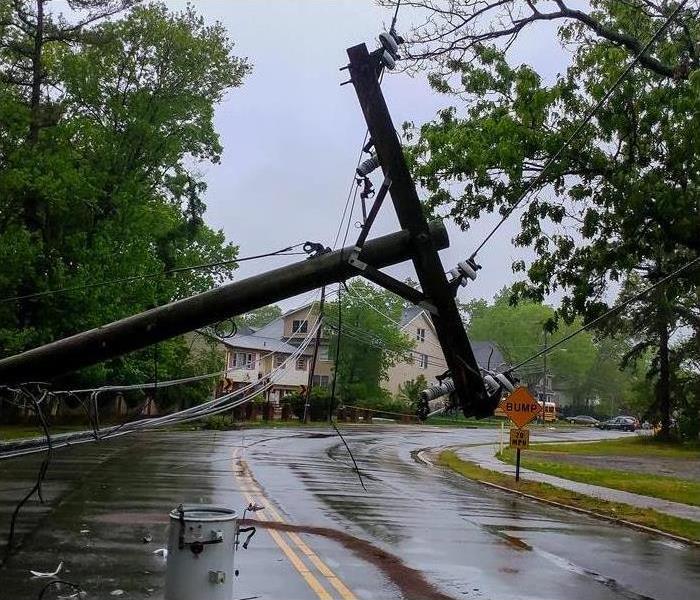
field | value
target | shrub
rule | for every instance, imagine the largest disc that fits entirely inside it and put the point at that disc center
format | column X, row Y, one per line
column 318, row 404
column 218, row 423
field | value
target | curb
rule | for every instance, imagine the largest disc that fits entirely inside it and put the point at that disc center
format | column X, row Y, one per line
column 590, row 513
column 584, row 511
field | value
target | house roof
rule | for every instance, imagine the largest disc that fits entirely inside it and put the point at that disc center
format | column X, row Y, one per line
column 483, row 351
column 256, row 342
column 274, row 329
column 410, row 313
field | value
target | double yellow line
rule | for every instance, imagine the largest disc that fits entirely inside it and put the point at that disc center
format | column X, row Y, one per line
column 250, row 489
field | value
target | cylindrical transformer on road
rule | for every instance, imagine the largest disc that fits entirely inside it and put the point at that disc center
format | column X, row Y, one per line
column 201, row 547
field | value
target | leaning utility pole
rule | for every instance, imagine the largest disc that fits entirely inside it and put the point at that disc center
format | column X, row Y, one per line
column 437, row 294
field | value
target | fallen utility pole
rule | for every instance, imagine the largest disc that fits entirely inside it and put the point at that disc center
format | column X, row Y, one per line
column 164, row 322
column 469, row 385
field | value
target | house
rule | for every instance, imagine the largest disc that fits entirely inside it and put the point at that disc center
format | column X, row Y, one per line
column 427, row 358
column 252, row 355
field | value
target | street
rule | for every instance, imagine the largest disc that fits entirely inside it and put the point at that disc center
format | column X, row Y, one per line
column 416, row 532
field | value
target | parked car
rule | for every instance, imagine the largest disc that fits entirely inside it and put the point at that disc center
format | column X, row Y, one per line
column 637, row 424
column 583, row 420
column 619, row 424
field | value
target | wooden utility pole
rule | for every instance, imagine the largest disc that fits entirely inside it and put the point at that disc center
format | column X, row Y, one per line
column 312, row 366
column 164, row 322
column 418, row 241
column 544, row 381
column 469, row 386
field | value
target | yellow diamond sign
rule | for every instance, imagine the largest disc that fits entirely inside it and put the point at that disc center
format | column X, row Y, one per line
column 520, row 407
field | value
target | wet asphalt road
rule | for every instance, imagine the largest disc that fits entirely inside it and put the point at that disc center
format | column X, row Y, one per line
column 465, row 540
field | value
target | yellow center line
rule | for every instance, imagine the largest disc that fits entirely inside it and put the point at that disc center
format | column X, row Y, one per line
column 331, row 577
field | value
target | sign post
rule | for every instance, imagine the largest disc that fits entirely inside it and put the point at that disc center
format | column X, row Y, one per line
column 521, row 408
column 520, row 440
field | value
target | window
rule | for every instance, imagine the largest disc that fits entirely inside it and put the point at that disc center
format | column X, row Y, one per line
column 279, row 360
column 321, row 381
column 301, row 363
column 423, row 361
column 323, row 353
column 243, row 360
column 420, row 334
column 299, row 326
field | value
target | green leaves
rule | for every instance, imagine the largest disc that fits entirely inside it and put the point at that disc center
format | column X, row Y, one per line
column 110, row 187
column 370, row 342
column 620, row 202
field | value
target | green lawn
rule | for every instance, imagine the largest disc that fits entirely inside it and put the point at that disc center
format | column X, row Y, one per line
column 668, row 488
column 18, row 432
column 649, row 518
column 462, row 421
column 627, row 446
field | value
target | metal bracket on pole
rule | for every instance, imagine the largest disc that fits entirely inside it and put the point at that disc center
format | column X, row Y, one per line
column 469, row 385
column 354, row 259
column 398, row 287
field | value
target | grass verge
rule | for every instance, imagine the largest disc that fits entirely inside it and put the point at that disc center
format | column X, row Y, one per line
column 17, row 432
column 628, row 446
column 646, row 517
column 646, row 484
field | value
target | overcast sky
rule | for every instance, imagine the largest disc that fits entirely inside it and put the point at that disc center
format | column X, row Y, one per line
column 291, row 134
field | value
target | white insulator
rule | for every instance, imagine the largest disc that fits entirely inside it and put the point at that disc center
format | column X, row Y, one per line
column 492, row 385
column 467, row 270
column 505, row 382
column 387, row 40
column 457, row 276
column 388, row 60
column 435, row 391
column 367, row 166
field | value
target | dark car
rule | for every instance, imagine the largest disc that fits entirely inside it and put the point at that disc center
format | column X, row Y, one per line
column 619, row 424
column 583, row 420
column 637, row 424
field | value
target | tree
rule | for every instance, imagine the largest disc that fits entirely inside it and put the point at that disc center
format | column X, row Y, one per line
column 370, row 342
column 98, row 175
column 260, row 316
column 519, row 332
column 622, row 201
column 409, row 391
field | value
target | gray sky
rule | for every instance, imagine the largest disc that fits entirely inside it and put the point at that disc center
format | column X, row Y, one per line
column 291, row 134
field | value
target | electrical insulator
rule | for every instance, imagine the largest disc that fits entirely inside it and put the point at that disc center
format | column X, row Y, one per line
column 464, row 271
column 388, row 60
column 367, row 166
column 435, row 391
column 390, row 44
column 492, row 386
column 505, row 382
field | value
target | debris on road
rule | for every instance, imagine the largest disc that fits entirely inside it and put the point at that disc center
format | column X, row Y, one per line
column 41, row 574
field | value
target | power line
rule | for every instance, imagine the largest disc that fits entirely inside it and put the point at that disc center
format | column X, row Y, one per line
column 353, row 186
column 282, row 252
column 608, row 313
column 530, row 187
column 396, row 15
column 335, row 379
column 212, row 407
column 364, row 336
